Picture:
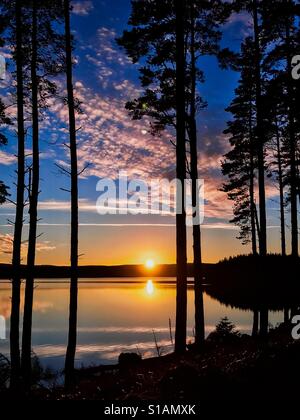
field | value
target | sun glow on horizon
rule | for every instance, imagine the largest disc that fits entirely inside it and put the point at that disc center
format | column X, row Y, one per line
column 149, row 264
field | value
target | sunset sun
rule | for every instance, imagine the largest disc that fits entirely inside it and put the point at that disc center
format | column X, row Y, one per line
column 150, row 204
column 149, row 264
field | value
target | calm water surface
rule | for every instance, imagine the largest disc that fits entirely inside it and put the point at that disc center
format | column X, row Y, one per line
column 112, row 317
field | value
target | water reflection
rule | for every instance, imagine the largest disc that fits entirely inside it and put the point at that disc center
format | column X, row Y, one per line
column 150, row 288
column 114, row 315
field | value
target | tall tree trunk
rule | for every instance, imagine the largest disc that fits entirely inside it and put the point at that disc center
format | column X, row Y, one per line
column 16, row 258
column 181, row 298
column 252, row 204
column 198, row 271
column 292, row 140
column 260, row 137
column 281, row 191
column 252, row 199
column 261, row 162
column 255, row 323
column 256, row 220
column 33, row 209
column 264, row 322
column 72, row 338
column 286, row 314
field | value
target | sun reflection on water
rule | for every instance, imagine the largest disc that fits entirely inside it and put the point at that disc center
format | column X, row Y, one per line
column 150, row 288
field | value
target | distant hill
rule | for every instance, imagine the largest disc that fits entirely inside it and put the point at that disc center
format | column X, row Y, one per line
column 246, row 272
column 102, row 271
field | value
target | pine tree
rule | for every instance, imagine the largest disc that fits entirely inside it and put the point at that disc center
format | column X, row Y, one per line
column 31, row 37
column 4, row 120
column 43, row 59
column 72, row 337
column 18, row 55
column 256, row 9
column 276, row 116
column 240, row 163
column 153, row 37
column 259, row 129
column 282, row 44
column 181, row 251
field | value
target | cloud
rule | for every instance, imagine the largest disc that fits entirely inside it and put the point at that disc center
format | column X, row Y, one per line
column 108, row 138
column 82, row 8
column 7, row 158
column 244, row 22
column 6, row 244
column 57, row 205
column 110, row 141
column 45, row 246
column 107, row 60
column 107, row 48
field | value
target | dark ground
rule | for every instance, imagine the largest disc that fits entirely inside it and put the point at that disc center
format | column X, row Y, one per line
column 230, row 369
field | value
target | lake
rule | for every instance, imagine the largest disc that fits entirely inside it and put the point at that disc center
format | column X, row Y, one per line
column 114, row 315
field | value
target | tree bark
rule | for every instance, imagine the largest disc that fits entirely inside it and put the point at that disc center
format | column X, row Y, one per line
column 252, row 199
column 197, row 255
column 17, row 243
column 33, row 209
column 181, row 297
column 72, row 337
column 256, row 221
column 260, row 137
column 286, row 315
column 264, row 322
column 281, row 192
column 292, row 140
column 255, row 323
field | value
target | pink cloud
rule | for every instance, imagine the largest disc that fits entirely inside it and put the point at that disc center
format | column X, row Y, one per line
column 82, row 8
column 6, row 243
column 7, row 158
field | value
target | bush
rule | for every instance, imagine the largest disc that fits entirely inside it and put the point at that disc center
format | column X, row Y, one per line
column 4, row 372
column 225, row 332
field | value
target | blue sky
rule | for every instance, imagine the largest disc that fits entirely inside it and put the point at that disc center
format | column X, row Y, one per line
column 109, row 141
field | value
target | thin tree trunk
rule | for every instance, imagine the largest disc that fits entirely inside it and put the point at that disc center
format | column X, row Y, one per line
column 33, row 209
column 181, row 298
column 264, row 322
column 256, row 220
column 198, row 271
column 72, row 338
column 16, row 259
column 255, row 323
column 286, row 314
column 252, row 200
column 252, row 204
column 261, row 163
column 292, row 138
column 281, row 192
column 260, row 137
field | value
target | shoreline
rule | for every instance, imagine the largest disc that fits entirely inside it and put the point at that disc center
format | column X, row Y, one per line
column 101, row 271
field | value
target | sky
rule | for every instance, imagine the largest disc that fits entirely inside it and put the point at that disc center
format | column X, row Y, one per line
column 109, row 142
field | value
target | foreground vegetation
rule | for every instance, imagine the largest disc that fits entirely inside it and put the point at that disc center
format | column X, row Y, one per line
column 229, row 364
